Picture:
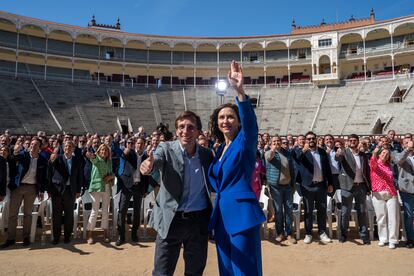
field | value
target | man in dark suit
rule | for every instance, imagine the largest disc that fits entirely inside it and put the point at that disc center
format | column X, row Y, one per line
column 316, row 181
column 30, row 181
column 355, row 184
column 65, row 183
column 131, row 184
column 182, row 210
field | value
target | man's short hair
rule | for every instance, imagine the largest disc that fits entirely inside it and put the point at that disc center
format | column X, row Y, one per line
column 189, row 115
column 69, row 142
column 310, row 133
column 354, row 136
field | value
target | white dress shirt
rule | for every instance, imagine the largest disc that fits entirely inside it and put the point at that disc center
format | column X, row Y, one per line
column 30, row 176
column 317, row 166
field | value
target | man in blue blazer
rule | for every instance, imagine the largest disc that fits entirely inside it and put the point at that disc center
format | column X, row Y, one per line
column 316, row 181
column 30, row 181
column 65, row 183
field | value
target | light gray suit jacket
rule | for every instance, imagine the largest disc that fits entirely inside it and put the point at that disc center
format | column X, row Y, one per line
column 348, row 168
column 168, row 160
column 406, row 172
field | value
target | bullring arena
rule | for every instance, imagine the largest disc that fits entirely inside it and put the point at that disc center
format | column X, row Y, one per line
column 354, row 76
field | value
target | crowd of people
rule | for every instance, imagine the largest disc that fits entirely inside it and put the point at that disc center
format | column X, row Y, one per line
column 352, row 167
column 233, row 161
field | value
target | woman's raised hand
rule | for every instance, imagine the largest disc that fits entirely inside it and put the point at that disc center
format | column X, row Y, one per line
column 235, row 78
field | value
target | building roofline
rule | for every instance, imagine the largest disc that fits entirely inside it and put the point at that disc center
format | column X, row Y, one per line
column 200, row 38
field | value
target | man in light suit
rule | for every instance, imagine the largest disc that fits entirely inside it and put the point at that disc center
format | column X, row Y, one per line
column 316, row 181
column 183, row 206
column 405, row 161
column 65, row 183
column 355, row 184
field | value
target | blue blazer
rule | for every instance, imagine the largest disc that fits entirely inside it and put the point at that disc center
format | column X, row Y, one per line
column 23, row 164
column 235, row 201
column 305, row 168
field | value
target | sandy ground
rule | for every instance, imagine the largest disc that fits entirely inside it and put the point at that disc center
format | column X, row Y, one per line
column 350, row 258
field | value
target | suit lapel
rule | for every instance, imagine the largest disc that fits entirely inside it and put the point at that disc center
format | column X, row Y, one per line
column 351, row 160
column 179, row 159
column 410, row 164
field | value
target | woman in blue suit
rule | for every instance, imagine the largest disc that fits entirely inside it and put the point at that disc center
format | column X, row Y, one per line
column 237, row 215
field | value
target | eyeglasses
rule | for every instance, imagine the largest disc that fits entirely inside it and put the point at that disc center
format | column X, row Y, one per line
column 311, row 138
column 284, row 143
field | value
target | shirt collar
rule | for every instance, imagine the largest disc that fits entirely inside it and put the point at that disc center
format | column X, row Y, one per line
column 31, row 156
column 70, row 156
column 185, row 153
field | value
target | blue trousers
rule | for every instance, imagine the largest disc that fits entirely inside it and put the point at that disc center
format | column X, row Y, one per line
column 283, row 202
column 238, row 254
column 408, row 206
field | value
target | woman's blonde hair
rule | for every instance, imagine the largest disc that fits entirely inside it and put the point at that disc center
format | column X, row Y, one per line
column 109, row 151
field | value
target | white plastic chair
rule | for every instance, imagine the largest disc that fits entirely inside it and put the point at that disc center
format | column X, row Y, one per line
column 148, row 204
column 329, row 214
column 297, row 201
column 116, row 197
column 4, row 213
column 371, row 216
column 48, row 208
column 264, row 203
column 76, row 213
column 404, row 234
column 38, row 210
column 86, row 210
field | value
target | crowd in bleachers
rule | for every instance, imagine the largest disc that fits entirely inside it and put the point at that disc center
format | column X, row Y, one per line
column 381, row 177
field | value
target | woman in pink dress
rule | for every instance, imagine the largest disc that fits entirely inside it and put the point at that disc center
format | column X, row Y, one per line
column 258, row 174
column 384, row 198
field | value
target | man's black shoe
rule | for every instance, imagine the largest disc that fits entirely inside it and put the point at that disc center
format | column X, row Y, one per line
column 8, row 243
column 26, row 241
column 409, row 244
column 134, row 238
column 66, row 240
column 55, row 241
column 119, row 242
column 342, row 240
column 367, row 242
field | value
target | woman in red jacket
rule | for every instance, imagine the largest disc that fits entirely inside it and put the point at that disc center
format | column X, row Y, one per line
column 384, row 198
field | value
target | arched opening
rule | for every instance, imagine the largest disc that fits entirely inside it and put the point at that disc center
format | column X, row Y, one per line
column 112, row 49
column 377, row 41
column 324, row 65
column 8, row 34
column 403, row 37
column 32, row 38
column 351, row 45
column 300, row 61
column 276, row 60
column 252, row 53
column 300, row 50
column 136, row 55
column 60, row 43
